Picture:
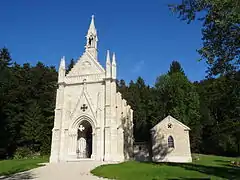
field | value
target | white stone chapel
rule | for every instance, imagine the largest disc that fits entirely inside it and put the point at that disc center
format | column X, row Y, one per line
column 92, row 120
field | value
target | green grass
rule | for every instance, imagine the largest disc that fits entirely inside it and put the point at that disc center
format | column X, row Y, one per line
column 207, row 167
column 8, row 167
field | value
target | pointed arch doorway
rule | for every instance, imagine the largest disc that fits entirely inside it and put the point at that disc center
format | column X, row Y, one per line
column 84, row 140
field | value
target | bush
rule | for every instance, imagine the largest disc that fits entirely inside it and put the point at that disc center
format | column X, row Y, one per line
column 3, row 153
column 235, row 163
column 23, row 152
column 45, row 148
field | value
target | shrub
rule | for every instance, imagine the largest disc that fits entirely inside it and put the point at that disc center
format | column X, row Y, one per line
column 23, row 152
column 235, row 163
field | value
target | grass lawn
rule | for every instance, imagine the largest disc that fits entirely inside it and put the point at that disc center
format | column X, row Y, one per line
column 207, row 167
column 8, row 167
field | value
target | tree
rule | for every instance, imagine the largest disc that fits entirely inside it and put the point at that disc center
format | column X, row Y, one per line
column 220, row 31
column 178, row 97
column 121, row 86
column 70, row 66
column 44, row 85
column 5, row 58
column 138, row 96
column 6, row 84
column 220, row 99
column 140, row 93
column 25, row 85
column 32, row 128
column 175, row 67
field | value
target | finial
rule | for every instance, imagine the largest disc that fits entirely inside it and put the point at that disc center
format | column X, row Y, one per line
column 108, row 57
column 62, row 62
column 92, row 21
column 114, row 59
column 92, row 29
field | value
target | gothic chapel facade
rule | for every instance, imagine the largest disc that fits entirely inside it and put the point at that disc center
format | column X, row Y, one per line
column 92, row 120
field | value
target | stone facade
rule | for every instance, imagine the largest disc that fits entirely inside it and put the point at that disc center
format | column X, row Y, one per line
column 170, row 141
column 92, row 120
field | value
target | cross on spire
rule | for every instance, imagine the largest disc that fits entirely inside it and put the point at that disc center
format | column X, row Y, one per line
column 84, row 107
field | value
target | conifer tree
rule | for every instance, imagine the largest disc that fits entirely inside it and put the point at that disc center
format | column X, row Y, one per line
column 180, row 99
column 70, row 66
column 32, row 128
column 175, row 67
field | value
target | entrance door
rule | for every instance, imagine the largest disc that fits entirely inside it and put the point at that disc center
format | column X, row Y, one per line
column 84, row 140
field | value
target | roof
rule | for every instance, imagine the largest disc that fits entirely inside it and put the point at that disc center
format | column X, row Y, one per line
column 170, row 118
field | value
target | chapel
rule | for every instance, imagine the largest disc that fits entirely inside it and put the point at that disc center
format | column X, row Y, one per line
column 92, row 120
column 170, row 142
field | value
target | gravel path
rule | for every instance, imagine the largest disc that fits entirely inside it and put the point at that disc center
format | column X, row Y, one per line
column 60, row 171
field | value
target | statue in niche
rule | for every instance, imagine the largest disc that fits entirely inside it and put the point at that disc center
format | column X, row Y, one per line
column 82, row 144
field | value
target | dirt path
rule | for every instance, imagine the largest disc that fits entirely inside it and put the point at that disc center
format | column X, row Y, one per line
column 61, row 171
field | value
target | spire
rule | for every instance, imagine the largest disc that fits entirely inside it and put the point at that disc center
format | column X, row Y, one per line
column 92, row 39
column 62, row 70
column 92, row 30
column 114, row 64
column 62, row 63
column 114, row 59
column 108, row 57
column 108, row 65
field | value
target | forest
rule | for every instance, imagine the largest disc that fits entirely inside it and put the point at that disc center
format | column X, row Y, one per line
column 210, row 107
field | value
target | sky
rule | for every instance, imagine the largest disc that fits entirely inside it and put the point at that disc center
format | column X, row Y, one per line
column 145, row 35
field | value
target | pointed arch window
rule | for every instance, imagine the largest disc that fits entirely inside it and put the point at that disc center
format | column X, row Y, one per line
column 170, row 142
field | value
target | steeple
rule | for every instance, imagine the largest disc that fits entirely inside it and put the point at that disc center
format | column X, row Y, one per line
column 62, row 70
column 92, row 29
column 92, row 39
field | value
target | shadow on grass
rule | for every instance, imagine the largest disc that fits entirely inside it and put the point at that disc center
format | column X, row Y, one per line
column 223, row 162
column 227, row 163
column 221, row 172
column 20, row 173
column 191, row 179
column 18, row 176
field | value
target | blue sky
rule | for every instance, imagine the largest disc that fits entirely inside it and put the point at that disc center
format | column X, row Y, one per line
column 145, row 35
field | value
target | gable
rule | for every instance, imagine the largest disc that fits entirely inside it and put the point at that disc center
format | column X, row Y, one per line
column 170, row 119
column 83, row 100
column 86, row 65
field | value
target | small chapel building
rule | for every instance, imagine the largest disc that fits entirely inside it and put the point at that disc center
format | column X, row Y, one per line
column 170, row 141
column 92, row 120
